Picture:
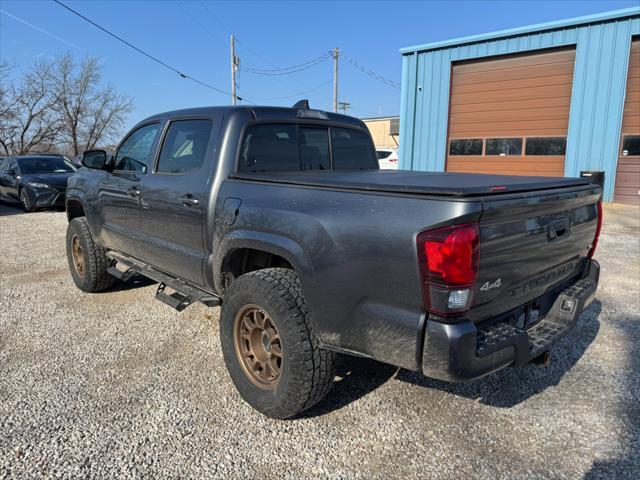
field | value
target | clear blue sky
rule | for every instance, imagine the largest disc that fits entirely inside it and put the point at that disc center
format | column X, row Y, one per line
column 194, row 36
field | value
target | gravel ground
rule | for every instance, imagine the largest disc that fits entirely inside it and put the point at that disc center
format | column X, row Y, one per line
column 119, row 385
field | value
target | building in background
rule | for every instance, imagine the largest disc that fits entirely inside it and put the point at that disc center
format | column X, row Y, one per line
column 550, row 99
column 384, row 130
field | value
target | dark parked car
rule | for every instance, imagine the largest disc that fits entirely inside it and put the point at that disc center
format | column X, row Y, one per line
column 35, row 181
column 283, row 217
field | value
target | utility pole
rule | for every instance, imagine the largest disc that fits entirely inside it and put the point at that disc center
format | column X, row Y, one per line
column 336, row 54
column 234, row 67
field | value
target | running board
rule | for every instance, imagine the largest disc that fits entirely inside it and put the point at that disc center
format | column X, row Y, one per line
column 184, row 293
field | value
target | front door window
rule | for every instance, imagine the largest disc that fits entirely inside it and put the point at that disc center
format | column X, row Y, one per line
column 137, row 150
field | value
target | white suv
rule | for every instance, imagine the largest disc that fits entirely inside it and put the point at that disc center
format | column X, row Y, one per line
column 387, row 158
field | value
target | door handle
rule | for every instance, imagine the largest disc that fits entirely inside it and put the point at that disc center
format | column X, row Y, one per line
column 189, row 200
column 134, row 191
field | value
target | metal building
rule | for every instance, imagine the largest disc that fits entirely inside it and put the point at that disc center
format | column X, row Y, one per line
column 549, row 99
column 384, row 131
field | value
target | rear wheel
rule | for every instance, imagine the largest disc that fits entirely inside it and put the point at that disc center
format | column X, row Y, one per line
column 269, row 344
column 258, row 346
column 87, row 260
column 26, row 203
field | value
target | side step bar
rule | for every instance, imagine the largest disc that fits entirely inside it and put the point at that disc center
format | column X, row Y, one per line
column 124, row 275
column 184, row 293
column 174, row 300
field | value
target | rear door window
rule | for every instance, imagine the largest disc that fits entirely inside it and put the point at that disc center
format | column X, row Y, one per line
column 352, row 150
column 185, row 146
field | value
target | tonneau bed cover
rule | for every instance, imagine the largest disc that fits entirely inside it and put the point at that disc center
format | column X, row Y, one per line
column 405, row 181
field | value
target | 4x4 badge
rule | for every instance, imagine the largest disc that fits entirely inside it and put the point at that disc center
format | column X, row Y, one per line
column 488, row 286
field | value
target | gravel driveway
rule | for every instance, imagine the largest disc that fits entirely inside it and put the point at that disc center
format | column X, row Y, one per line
column 120, row 385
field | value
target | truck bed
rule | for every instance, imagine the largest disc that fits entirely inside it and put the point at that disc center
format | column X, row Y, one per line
column 404, row 181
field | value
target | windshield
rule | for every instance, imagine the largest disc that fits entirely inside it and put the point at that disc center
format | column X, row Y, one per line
column 44, row 165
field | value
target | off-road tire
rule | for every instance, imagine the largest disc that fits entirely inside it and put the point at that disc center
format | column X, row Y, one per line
column 307, row 371
column 93, row 277
column 25, row 202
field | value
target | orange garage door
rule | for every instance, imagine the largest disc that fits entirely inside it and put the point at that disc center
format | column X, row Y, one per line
column 628, row 170
column 510, row 115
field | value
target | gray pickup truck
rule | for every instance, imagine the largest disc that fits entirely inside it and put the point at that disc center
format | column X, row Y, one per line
column 282, row 217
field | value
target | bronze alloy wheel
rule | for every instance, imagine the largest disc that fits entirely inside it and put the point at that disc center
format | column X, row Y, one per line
column 77, row 253
column 258, row 346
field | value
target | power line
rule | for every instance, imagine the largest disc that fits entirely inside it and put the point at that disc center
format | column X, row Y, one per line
column 229, row 32
column 371, row 73
column 282, row 81
column 288, row 70
column 366, row 112
column 122, row 40
column 148, row 55
column 31, row 25
column 200, row 24
column 225, row 28
column 317, row 87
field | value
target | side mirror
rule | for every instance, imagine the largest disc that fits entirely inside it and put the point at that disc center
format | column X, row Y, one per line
column 11, row 172
column 96, row 159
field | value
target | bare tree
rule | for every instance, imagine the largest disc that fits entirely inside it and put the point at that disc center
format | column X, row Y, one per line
column 5, row 70
column 90, row 114
column 59, row 105
column 28, row 120
column 7, row 103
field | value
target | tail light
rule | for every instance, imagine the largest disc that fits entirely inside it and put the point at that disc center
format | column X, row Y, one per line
column 592, row 250
column 449, row 260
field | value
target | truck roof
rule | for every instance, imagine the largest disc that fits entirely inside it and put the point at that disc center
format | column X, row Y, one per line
column 258, row 112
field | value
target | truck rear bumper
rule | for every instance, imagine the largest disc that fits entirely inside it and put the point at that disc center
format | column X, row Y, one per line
column 461, row 351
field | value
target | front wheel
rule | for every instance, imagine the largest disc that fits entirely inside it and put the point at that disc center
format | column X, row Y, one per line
column 269, row 344
column 88, row 261
column 27, row 204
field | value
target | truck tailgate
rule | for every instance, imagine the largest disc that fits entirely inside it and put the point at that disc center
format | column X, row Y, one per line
column 530, row 244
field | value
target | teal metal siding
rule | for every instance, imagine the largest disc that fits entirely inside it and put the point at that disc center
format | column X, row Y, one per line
column 597, row 100
column 599, row 83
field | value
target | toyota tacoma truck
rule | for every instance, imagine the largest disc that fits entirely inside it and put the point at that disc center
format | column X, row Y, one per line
column 283, row 218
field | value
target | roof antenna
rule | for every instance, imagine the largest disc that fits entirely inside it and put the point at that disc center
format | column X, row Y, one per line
column 302, row 104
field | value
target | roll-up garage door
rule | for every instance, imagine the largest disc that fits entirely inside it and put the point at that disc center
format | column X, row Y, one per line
column 510, row 115
column 628, row 171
